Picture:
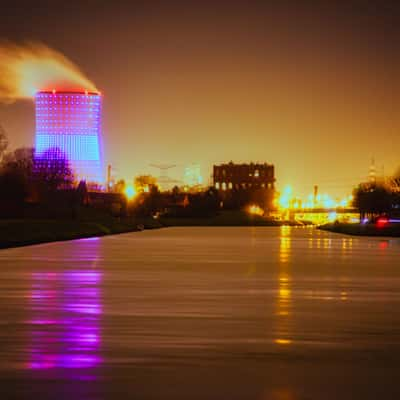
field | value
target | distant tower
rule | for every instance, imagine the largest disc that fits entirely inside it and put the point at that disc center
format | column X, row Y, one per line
column 108, row 181
column 315, row 195
column 372, row 172
column 68, row 125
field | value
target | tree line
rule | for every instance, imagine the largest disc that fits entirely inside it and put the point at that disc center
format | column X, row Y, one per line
column 26, row 178
column 375, row 199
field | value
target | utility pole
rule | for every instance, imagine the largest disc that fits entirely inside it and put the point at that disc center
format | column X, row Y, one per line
column 315, row 195
column 108, row 177
column 163, row 179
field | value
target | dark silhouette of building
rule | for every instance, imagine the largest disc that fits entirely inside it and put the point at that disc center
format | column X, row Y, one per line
column 239, row 185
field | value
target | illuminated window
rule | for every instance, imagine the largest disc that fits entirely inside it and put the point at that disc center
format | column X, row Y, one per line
column 256, row 173
column 223, row 186
column 216, row 185
column 230, row 186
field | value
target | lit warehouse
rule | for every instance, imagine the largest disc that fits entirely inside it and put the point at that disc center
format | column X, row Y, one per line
column 68, row 125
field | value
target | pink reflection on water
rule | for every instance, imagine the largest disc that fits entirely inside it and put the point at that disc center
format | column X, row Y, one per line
column 42, row 321
column 84, row 308
column 47, row 361
column 84, row 278
column 42, row 294
column 65, row 320
column 88, row 338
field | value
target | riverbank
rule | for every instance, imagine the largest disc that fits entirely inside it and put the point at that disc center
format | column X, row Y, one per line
column 224, row 218
column 23, row 232
column 392, row 230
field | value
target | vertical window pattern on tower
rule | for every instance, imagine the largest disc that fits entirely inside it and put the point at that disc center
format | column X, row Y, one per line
column 71, row 123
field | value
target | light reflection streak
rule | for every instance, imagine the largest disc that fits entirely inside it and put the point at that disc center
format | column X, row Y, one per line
column 65, row 322
column 347, row 244
column 283, row 341
column 327, row 243
column 89, row 239
column 284, row 293
column 383, row 245
column 284, row 247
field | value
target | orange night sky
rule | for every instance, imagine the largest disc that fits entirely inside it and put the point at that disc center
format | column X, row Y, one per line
column 313, row 89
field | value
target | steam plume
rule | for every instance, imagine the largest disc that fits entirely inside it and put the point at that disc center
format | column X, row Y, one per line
column 32, row 66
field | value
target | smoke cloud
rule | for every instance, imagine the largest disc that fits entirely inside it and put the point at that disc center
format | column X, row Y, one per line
column 32, row 66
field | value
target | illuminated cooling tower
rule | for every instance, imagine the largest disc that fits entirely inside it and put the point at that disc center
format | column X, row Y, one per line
column 68, row 124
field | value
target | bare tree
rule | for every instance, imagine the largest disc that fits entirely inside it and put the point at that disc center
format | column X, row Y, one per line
column 53, row 169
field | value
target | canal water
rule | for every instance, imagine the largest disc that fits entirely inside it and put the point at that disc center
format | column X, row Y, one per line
column 202, row 313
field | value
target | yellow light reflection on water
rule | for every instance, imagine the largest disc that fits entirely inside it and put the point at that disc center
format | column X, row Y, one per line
column 285, row 244
column 347, row 244
column 284, row 292
column 282, row 341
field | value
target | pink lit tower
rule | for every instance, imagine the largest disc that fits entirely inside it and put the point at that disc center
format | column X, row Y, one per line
column 68, row 125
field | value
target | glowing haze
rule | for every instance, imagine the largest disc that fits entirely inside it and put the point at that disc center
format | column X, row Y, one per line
column 310, row 86
column 27, row 68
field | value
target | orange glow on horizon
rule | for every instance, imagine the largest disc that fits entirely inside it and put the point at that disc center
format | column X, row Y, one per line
column 258, row 85
column 255, row 210
column 130, row 192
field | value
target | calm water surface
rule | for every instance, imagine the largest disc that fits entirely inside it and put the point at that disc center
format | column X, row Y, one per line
column 202, row 313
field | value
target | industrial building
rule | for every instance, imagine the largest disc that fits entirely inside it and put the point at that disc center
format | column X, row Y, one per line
column 239, row 185
column 192, row 176
column 68, row 125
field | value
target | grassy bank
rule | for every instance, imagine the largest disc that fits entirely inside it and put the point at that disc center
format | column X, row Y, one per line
column 392, row 230
column 15, row 233
column 22, row 232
